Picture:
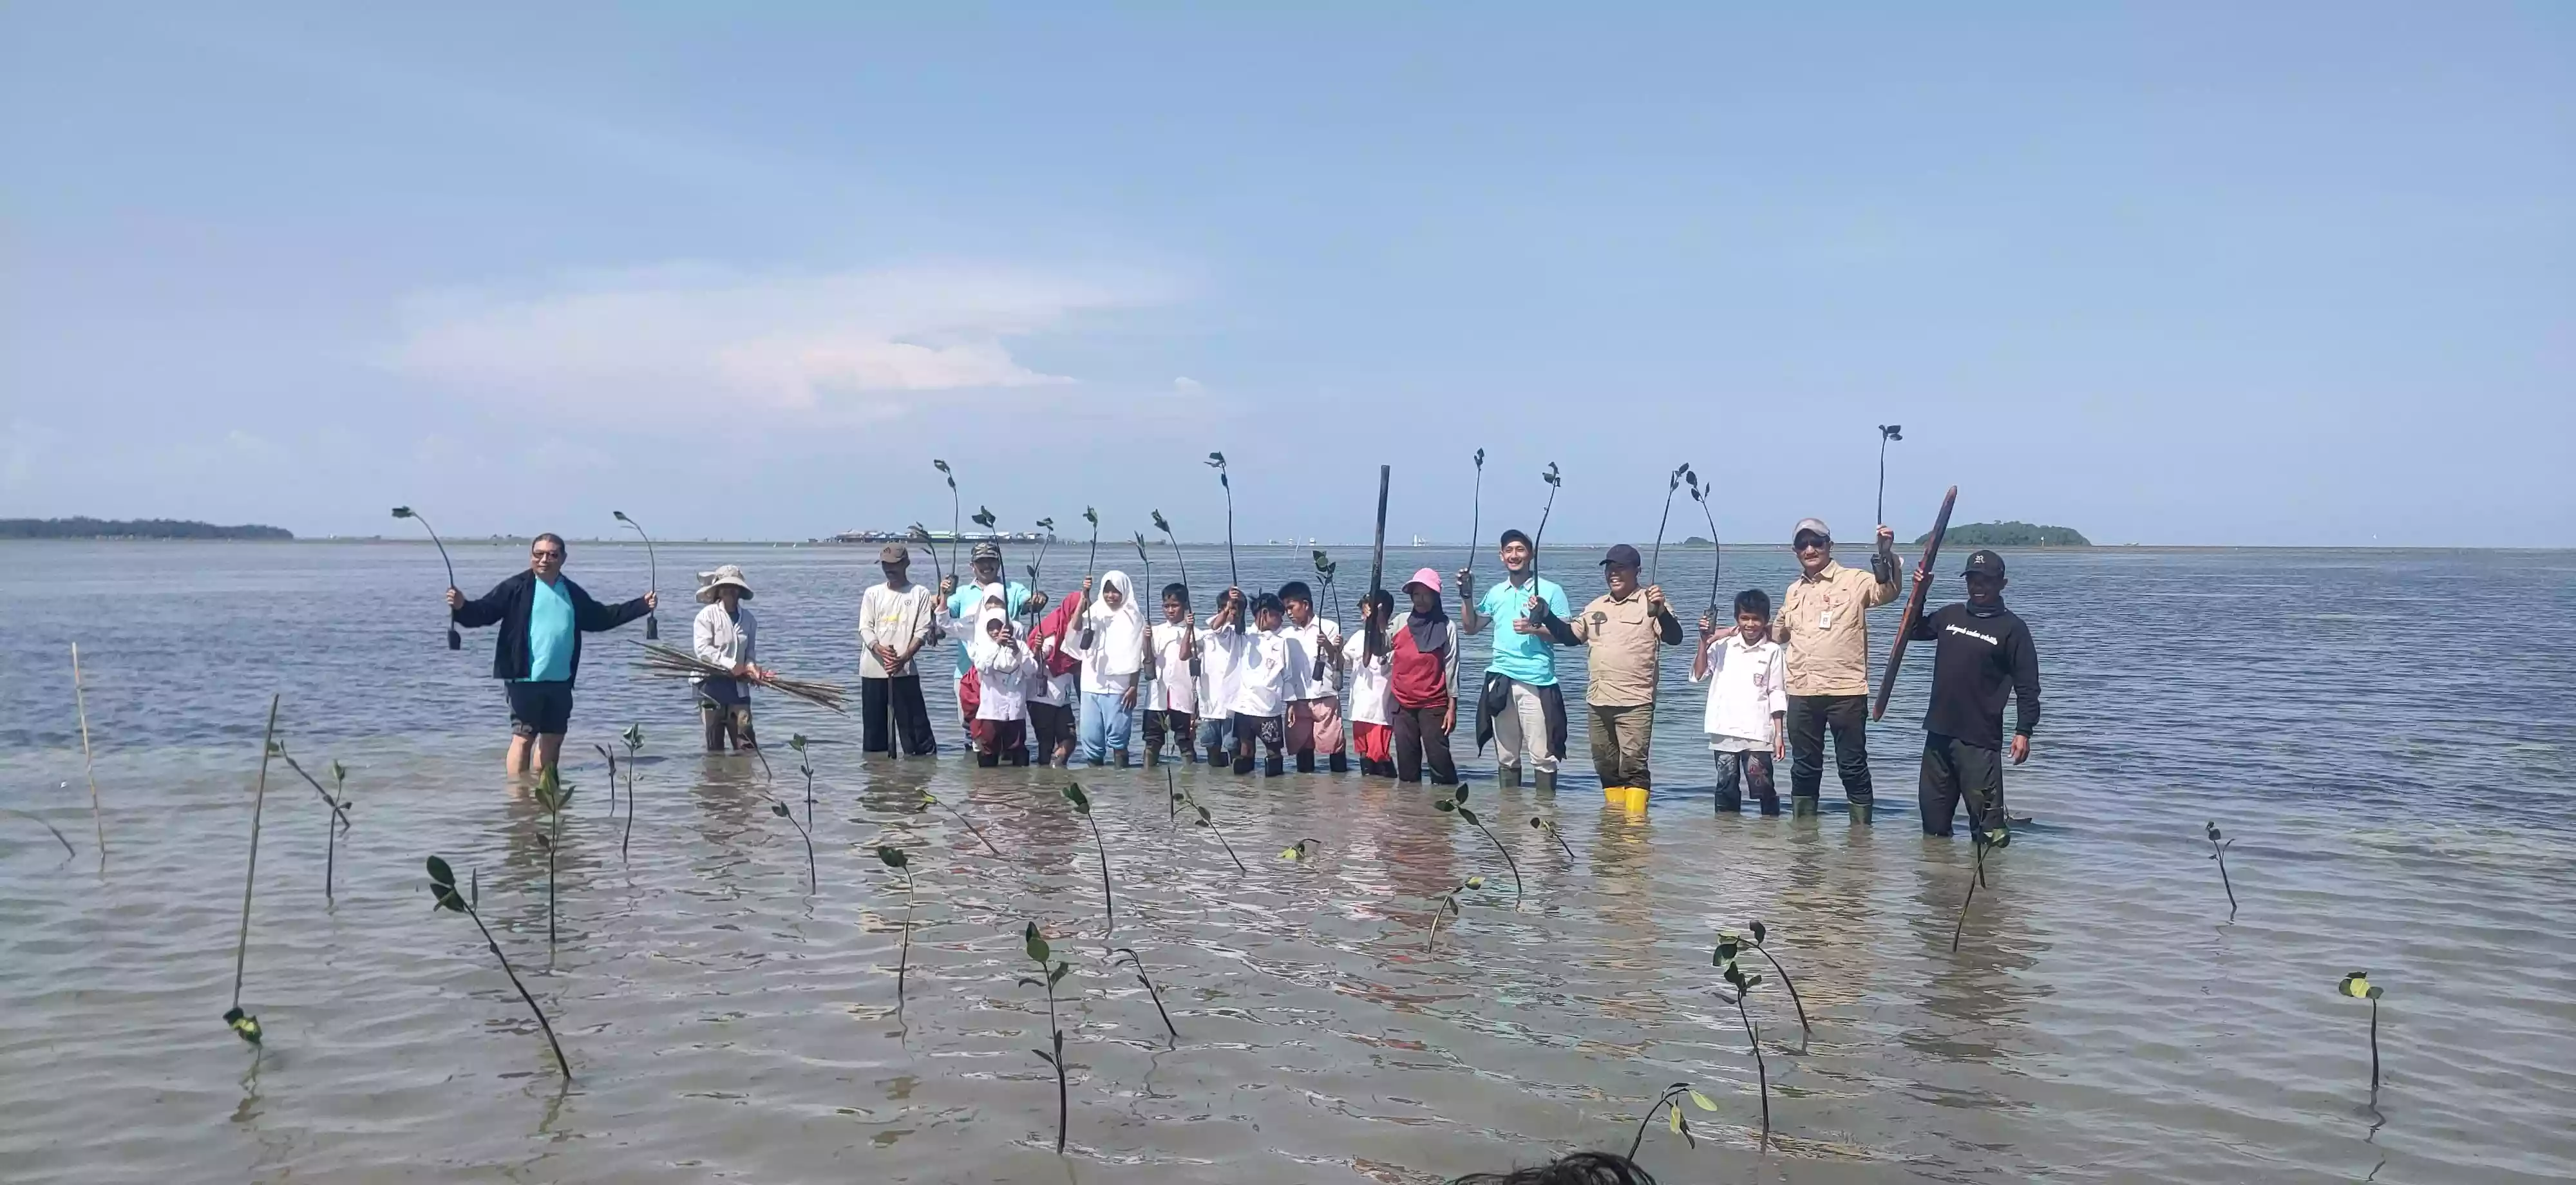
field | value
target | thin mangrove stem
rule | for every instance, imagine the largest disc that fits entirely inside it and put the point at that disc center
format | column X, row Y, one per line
column 1508, row 862
column 1151, row 990
column 1805, row 1030
column 561, row 1063
column 336, row 810
column 259, row 800
column 80, row 704
column 903, row 955
column 970, row 823
column 68, row 850
column 1106, row 900
column 1973, row 882
column 1761, row 1071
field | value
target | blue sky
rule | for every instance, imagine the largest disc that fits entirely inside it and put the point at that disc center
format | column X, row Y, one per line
column 2273, row 274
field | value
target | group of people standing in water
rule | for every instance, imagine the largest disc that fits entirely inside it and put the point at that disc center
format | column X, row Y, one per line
column 1263, row 680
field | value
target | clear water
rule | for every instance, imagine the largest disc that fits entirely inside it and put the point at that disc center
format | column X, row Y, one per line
column 2388, row 735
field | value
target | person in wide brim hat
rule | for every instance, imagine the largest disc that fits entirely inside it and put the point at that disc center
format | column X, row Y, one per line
column 726, row 635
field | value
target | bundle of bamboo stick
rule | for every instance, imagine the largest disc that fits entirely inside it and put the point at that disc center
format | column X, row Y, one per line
column 672, row 663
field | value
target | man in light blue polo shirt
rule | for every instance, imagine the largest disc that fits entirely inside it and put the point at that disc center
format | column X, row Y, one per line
column 1522, row 709
column 965, row 603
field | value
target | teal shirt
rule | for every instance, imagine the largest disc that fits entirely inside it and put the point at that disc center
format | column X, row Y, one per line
column 1525, row 658
column 549, row 633
column 967, row 601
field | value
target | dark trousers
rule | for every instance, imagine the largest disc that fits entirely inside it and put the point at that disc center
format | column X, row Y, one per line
column 1738, row 772
column 892, row 710
column 1848, row 717
column 1953, row 768
column 1419, row 739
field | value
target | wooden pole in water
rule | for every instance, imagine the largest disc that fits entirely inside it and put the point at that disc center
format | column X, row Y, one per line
column 1913, row 605
column 81, row 706
column 1377, row 551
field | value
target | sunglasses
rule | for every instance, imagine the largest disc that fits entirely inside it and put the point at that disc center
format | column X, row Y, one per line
column 1812, row 543
column 545, row 553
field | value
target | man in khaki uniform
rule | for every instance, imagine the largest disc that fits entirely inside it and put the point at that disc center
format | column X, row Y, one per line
column 1623, row 627
column 1824, row 624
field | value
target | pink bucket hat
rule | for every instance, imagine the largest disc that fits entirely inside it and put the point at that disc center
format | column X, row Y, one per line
column 1428, row 578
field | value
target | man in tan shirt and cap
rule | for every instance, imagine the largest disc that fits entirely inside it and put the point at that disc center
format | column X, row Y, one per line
column 1625, row 628
column 1824, row 624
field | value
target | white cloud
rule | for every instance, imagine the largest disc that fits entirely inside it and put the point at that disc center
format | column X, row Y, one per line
column 1186, row 383
column 662, row 339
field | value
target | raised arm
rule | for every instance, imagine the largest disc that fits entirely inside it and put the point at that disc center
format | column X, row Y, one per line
column 592, row 617
column 1468, row 619
column 486, row 609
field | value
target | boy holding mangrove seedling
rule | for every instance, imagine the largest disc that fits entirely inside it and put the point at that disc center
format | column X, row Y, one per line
column 1314, row 681
column 1625, row 627
column 1260, row 689
column 1422, row 676
column 1748, row 702
column 896, row 619
column 1984, row 654
column 1522, row 708
column 1824, row 623
column 1112, row 662
column 1372, row 690
column 1053, row 685
column 726, row 635
column 1220, row 654
column 537, row 652
column 1172, row 698
column 1004, row 672
column 963, row 603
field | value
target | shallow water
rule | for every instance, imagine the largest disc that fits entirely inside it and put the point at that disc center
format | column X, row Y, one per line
column 2388, row 736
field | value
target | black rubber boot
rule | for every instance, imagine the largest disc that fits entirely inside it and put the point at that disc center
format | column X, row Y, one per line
column 1242, row 767
column 1305, row 762
column 1340, row 763
column 1731, row 804
column 1275, row 765
column 1153, row 756
column 1118, row 758
column 1770, row 804
column 988, row 760
column 1507, row 777
column 1861, row 811
column 1545, row 782
column 1216, row 755
column 1803, row 806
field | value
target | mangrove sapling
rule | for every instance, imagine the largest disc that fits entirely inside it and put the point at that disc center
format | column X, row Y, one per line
column 894, row 858
column 243, row 1023
column 338, row 812
column 1540, row 824
column 1073, row 793
column 1886, row 432
column 455, row 641
column 634, row 738
column 1326, row 569
column 442, row 888
column 1554, row 483
column 813, row 882
column 1806, row 1031
column 1655, row 568
column 1671, row 1098
column 956, row 512
column 1304, row 849
column 1090, row 569
column 2218, row 851
column 1164, row 525
column 920, row 534
column 68, row 850
column 2357, row 985
column 611, row 758
column 1447, row 906
column 553, row 794
column 1724, row 957
column 1146, row 559
column 1046, row 525
column 1038, row 952
column 1476, row 515
column 1150, row 989
column 805, row 766
column 1717, row 562
column 978, row 832
column 1184, row 798
column 331, row 829
column 653, row 578
column 1979, row 837
column 1216, row 461
column 1457, row 803
column 80, row 705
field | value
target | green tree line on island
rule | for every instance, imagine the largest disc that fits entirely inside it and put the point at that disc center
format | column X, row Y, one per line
column 2011, row 534
column 141, row 528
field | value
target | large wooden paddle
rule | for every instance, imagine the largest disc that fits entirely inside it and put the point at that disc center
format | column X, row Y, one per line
column 1377, row 555
column 1913, row 605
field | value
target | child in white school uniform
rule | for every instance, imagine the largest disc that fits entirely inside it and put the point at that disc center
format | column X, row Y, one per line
column 1172, row 699
column 1748, row 701
column 1260, row 691
column 1372, row 708
column 1314, row 682
column 1003, row 671
column 1221, row 651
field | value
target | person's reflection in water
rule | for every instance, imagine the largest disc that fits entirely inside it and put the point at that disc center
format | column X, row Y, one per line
column 730, row 817
column 900, row 789
column 1978, row 991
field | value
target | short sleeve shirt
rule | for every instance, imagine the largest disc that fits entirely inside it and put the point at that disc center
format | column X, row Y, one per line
column 1523, row 658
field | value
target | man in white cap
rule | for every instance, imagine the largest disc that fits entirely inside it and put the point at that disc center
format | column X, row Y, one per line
column 896, row 619
column 726, row 635
column 1824, row 624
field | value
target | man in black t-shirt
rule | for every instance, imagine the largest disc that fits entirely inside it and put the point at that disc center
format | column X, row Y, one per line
column 1985, row 653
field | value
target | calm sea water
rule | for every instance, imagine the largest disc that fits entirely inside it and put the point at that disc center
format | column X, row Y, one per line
column 2387, row 735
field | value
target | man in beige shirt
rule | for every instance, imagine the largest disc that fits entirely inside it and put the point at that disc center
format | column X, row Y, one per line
column 1623, row 627
column 1824, row 624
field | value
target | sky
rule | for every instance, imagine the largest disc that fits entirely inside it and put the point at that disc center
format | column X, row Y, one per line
column 2280, row 274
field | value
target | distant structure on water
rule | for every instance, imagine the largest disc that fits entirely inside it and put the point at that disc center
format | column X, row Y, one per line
column 872, row 536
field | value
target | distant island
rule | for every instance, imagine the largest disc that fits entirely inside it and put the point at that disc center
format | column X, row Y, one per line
column 2013, row 534
column 140, row 528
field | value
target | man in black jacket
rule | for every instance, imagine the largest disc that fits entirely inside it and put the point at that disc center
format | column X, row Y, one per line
column 538, row 650
column 1985, row 653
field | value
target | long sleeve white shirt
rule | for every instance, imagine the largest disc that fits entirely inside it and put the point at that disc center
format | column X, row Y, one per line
column 1002, row 675
column 724, row 639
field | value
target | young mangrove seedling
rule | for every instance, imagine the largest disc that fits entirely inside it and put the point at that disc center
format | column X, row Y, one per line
column 935, row 800
column 1456, row 804
column 1724, row 957
column 894, row 858
column 813, row 883
column 1671, row 1099
column 1304, row 849
column 611, row 759
column 243, row 1023
column 338, row 812
column 1047, row 978
column 653, row 578
column 920, row 534
column 1806, row 1032
column 442, row 889
column 1555, row 482
column 1150, row 989
column 455, row 641
column 331, row 829
column 805, row 766
column 1982, row 843
column 1448, row 906
column 2357, row 985
column 1216, row 461
column 1082, row 806
column 1717, row 551
column 634, row 738
column 553, row 794
column 1538, row 823
column 1165, row 526
column 1047, row 528
column 1182, row 797
column 956, row 510
column 68, row 850
column 2218, row 846
column 80, row 708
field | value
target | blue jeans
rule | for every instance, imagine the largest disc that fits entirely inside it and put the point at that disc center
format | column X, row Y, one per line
column 1216, row 731
column 1104, row 724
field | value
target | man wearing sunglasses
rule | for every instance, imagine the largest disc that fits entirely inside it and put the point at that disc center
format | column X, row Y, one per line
column 1824, row 624
column 538, row 649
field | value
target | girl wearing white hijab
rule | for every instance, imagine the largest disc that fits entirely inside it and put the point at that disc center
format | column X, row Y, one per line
column 1002, row 667
column 1112, row 647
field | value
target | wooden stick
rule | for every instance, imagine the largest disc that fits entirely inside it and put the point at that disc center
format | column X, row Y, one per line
column 1913, row 605
column 81, row 705
column 1377, row 551
column 241, row 947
